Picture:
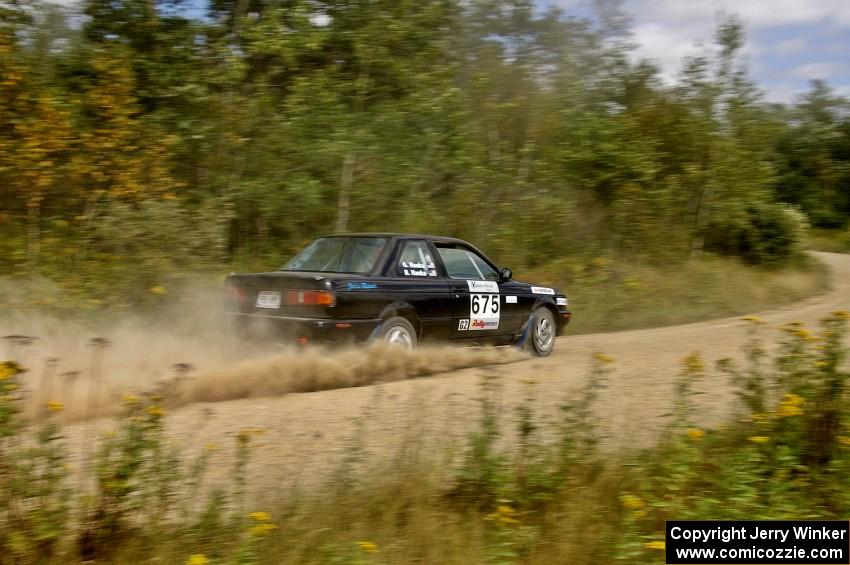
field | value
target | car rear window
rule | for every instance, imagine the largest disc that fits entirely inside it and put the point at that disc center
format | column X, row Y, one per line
column 339, row 255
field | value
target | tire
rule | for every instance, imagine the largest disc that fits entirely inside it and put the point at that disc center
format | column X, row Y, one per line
column 398, row 331
column 541, row 337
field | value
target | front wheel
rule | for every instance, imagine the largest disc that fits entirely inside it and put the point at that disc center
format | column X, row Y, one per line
column 541, row 338
column 398, row 332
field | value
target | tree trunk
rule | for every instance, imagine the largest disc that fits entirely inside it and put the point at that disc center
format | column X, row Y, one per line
column 343, row 206
column 703, row 211
column 33, row 233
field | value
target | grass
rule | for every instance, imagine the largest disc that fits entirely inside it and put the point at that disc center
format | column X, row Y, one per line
column 546, row 496
column 834, row 241
column 607, row 295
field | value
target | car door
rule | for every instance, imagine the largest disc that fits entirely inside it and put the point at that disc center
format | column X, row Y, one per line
column 413, row 278
column 475, row 294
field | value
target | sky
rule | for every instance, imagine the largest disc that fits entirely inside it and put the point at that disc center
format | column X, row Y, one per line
column 789, row 42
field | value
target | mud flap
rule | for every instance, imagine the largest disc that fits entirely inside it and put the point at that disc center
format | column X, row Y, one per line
column 376, row 332
column 523, row 338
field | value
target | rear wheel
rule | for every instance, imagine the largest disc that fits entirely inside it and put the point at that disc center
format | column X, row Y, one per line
column 398, row 332
column 541, row 338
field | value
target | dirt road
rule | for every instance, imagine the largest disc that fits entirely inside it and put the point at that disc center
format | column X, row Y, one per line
column 306, row 435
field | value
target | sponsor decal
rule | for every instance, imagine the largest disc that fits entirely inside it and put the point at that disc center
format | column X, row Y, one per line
column 463, row 325
column 483, row 286
column 561, row 301
column 542, row 290
column 485, row 324
column 360, row 286
column 510, row 300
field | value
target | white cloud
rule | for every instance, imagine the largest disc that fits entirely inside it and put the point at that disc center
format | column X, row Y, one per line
column 757, row 14
column 788, row 41
column 823, row 70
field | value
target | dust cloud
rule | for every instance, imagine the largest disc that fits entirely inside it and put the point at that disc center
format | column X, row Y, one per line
column 187, row 355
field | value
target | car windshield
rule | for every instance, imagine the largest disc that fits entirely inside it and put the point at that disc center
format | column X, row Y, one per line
column 338, row 255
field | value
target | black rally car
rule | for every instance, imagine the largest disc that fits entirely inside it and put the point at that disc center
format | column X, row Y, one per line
column 400, row 288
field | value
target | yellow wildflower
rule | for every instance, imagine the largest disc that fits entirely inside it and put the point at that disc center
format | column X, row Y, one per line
column 12, row 387
column 655, row 545
column 821, row 364
column 805, row 334
column 262, row 529
column 368, row 546
column 9, row 369
column 693, row 363
column 156, row 411
column 504, row 515
column 791, row 406
column 602, row 358
column 260, row 516
column 197, row 559
column 55, row 406
column 760, row 418
column 212, row 447
column 159, row 290
column 632, row 502
column 844, row 440
column 696, row 434
column 759, row 439
column 752, row 319
column 842, row 314
column 130, row 399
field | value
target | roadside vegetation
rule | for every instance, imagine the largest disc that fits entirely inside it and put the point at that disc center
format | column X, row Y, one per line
column 831, row 240
column 610, row 295
column 521, row 488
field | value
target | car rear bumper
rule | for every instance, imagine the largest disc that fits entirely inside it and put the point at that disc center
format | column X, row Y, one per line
column 302, row 330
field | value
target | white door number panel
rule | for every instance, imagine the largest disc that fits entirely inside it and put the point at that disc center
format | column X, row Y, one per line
column 484, row 305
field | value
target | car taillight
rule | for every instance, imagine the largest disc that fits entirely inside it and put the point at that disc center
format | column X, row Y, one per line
column 235, row 293
column 310, row 298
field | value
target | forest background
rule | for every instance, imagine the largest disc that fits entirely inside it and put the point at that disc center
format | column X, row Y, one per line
column 142, row 143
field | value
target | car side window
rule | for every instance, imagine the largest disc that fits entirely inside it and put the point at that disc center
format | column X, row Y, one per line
column 415, row 260
column 464, row 264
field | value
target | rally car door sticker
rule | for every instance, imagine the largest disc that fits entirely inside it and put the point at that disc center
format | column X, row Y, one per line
column 510, row 300
column 484, row 305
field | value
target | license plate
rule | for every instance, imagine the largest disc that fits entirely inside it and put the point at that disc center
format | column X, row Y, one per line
column 268, row 299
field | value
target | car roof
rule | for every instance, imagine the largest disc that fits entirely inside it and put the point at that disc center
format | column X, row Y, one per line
column 396, row 235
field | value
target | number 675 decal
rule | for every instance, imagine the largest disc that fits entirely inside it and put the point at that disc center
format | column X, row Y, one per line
column 484, row 304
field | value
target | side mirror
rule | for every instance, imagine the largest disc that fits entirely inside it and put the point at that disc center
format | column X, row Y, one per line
column 506, row 274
